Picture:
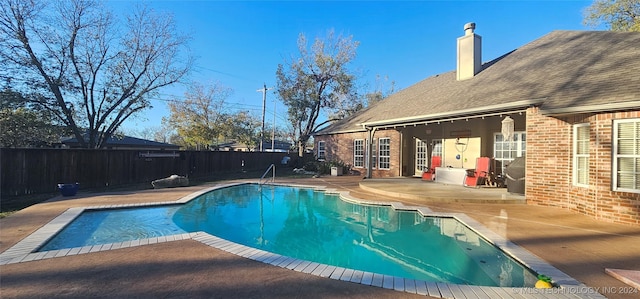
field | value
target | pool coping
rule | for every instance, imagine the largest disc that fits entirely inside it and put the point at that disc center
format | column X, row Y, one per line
column 568, row 287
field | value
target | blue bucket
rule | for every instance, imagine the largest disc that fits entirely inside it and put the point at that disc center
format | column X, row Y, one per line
column 68, row 189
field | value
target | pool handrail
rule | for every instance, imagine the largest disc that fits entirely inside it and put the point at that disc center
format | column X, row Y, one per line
column 273, row 177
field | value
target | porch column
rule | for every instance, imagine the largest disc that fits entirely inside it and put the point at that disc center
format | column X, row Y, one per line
column 369, row 162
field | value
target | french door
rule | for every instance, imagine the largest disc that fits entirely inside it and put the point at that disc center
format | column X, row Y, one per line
column 421, row 159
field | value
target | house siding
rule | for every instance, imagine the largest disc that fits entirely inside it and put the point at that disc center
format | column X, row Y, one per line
column 549, row 167
column 339, row 147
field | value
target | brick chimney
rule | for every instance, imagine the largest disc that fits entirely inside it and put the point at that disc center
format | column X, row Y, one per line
column 469, row 53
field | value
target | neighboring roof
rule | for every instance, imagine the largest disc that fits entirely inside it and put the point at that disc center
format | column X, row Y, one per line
column 127, row 141
column 278, row 144
column 562, row 72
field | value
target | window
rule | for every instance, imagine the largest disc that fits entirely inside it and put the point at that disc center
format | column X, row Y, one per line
column 437, row 148
column 374, row 155
column 321, row 150
column 384, row 153
column 421, row 157
column 506, row 151
column 581, row 154
column 358, row 153
column 626, row 155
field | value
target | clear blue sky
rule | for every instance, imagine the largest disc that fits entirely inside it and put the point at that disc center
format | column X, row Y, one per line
column 240, row 44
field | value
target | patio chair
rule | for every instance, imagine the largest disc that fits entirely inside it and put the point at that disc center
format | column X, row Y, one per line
column 478, row 176
column 430, row 173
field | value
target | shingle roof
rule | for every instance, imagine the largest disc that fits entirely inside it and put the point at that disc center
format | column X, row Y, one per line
column 126, row 141
column 278, row 144
column 563, row 70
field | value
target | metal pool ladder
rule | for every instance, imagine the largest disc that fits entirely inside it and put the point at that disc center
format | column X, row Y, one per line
column 272, row 167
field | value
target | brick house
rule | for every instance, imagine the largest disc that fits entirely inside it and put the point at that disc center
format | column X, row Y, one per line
column 573, row 96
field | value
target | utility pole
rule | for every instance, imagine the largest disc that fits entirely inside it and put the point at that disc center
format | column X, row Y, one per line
column 273, row 130
column 264, row 104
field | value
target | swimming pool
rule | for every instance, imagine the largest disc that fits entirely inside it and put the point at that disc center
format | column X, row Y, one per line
column 315, row 226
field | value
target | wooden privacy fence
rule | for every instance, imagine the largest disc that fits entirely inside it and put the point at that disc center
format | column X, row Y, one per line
column 35, row 171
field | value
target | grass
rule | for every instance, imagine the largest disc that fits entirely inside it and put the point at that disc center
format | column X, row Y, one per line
column 11, row 205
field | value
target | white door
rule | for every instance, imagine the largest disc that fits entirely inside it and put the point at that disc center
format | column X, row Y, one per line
column 420, row 157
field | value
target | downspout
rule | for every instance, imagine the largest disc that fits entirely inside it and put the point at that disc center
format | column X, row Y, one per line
column 597, row 154
column 371, row 131
column 401, row 155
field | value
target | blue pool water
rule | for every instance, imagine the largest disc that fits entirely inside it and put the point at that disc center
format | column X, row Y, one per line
column 314, row 226
column 94, row 227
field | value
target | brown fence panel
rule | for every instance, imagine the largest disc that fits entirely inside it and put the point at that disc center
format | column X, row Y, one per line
column 35, row 171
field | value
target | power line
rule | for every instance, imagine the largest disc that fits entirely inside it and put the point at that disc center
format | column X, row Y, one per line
column 172, row 98
column 222, row 73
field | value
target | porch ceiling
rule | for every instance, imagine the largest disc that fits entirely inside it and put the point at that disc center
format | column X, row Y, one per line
column 445, row 117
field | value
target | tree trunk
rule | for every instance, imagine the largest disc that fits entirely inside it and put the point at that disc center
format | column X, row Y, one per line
column 301, row 148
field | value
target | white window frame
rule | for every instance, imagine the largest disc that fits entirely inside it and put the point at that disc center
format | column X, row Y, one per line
column 322, row 151
column 634, row 157
column 358, row 153
column 436, row 149
column 519, row 147
column 420, row 156
column 578, row 168
column 374, row 152
column 384, row 154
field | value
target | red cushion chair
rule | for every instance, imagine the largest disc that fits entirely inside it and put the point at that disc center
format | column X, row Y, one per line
column 430, row 173
column 477, row 177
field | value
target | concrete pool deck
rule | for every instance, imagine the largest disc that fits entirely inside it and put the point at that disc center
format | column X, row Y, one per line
column 575, row 244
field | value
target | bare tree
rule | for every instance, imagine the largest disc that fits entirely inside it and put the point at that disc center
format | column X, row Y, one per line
column 162, row 133
column 379, row 93
column 94, row 73
column 319, row 81
column 144, row 132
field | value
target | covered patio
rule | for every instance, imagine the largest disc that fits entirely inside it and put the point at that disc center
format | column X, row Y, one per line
column 433, row 192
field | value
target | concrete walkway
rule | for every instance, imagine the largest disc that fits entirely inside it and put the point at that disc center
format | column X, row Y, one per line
column 575, row 244
column 430, row 192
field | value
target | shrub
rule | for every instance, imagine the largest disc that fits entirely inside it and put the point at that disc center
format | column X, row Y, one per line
column 311, row 166
column 325, row 167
